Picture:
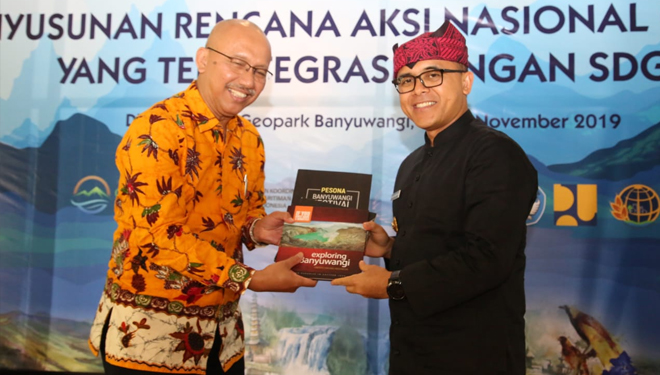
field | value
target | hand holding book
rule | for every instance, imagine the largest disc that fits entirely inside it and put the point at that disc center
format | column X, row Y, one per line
column 278, row 277
column 370, row 283
column 379, row 244
column 268, row 230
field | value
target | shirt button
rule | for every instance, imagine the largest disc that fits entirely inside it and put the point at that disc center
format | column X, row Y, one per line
column 403, row 232
column 410, row 204
column 417, row 177
column 396, row 322
column 429, row 153
column 396, row 352
column 397, row 263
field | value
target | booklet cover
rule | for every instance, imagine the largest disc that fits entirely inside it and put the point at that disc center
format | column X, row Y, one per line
column 332, row 189
column 331, row 239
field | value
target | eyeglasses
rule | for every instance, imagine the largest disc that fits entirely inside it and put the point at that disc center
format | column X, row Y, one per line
column 259, row 73
column 430, row 78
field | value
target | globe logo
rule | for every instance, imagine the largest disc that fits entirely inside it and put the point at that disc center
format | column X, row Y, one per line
column 637, row 205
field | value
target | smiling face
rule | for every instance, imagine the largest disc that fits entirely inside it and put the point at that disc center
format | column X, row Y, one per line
column 435, row 108
column 227, row 88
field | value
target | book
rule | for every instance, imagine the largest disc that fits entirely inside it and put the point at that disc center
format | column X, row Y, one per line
column 332, row 189
column 331, row 239
column 329, row 209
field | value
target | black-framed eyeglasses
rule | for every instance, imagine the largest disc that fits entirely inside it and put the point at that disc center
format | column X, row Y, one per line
column 430, row 78
column 259, row 73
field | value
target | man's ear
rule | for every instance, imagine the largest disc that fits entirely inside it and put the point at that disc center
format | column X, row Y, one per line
column 468, row 79
column 201, row 59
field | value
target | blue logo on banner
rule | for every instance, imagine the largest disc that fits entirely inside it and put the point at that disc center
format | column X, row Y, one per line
column 91, row 195
column 538, row 208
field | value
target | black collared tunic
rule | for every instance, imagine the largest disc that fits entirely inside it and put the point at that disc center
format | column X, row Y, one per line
column 460, row 247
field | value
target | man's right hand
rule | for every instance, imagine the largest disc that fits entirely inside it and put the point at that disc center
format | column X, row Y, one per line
column 278, row 277
column 380, row 243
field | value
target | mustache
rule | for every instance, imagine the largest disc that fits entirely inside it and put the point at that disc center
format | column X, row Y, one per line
column 242, row 88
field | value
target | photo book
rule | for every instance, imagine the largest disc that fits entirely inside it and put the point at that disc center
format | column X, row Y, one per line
column 329, row 209
column 332, row 189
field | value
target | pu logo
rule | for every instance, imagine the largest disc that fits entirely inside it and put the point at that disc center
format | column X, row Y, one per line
column 303, row 214
column 575, row 205
column 91, row 195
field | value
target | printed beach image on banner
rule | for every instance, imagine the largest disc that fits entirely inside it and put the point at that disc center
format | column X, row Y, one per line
column 576, row 84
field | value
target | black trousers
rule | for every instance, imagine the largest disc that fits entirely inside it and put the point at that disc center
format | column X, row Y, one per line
column 213, row 366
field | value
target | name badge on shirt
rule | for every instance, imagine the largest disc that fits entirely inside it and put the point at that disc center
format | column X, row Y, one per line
column 396, row 195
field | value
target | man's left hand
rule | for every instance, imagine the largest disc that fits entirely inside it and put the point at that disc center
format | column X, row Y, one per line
column 278, row 277
column 370, row 283
column 269, row 229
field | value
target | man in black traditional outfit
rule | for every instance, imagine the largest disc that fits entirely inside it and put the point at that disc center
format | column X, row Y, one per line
column 455, row 270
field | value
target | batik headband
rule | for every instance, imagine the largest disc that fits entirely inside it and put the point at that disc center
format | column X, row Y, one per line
column 446, row 43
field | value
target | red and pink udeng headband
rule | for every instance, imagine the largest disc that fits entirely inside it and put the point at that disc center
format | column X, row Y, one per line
column 447, row 43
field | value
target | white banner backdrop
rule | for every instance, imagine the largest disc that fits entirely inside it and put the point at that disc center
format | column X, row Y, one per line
column 575, row 84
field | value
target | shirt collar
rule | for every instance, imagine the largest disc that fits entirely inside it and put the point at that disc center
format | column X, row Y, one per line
column 451, row 132
column 201, row 113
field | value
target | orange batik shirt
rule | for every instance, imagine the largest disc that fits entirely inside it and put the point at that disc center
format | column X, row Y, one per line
column 188, row 193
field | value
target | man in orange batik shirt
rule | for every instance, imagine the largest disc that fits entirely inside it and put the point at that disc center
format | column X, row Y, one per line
column 191, row 193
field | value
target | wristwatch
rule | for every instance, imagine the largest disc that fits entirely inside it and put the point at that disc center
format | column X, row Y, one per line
column 395, row 288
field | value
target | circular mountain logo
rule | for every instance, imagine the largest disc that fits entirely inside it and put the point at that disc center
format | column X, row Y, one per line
column 91, row 195
column 636, row 204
